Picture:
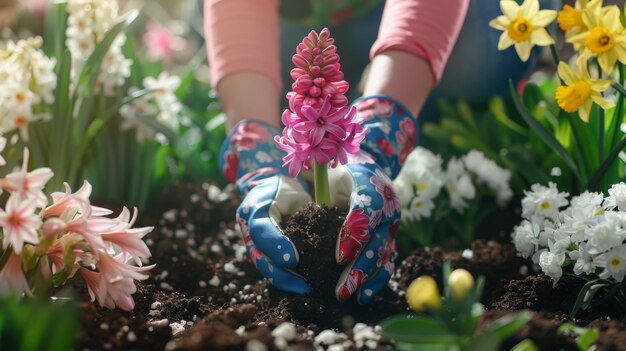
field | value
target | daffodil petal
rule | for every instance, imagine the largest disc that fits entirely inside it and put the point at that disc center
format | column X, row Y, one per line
column 593, row 5
column 500, row 22
column 529, row 8
column 583, row 111
column 509, row 8
column 523, row 49
column 566, row 73
column 611, row 19
column 589, row 19
column 577, row 39
column 543, row 18
column 600, row 85
column 505, row 41
column 620, row 49
column 607, row 61
column 602, row 102
column 541, row 37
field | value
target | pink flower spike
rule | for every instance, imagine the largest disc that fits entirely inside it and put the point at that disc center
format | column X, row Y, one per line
column 12, row 279
column 19, row 223
column 318, row 125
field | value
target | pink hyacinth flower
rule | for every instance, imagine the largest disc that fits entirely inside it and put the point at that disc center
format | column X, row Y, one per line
column 19, row 223
column 319, row 127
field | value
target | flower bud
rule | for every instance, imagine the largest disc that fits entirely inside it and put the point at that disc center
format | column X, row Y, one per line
column 423, row 294
column 53, row 226
column 460, row 281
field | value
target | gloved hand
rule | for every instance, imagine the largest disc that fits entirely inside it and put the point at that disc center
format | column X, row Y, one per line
column 367, row 242
column 251, row 159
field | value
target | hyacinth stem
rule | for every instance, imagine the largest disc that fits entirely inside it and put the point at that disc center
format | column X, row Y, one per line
column 320, row 180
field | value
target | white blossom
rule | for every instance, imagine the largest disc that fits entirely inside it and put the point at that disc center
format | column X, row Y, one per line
column 616, row 198
column 614, row 263
column 543, row 202
column 525, row 238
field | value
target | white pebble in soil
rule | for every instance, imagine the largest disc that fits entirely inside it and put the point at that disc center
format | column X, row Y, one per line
column 215, row 281
column 178, row 327
column 328, row 337
column 283, row 334
column 230, row 268
column 255, row 345
column 468, row 254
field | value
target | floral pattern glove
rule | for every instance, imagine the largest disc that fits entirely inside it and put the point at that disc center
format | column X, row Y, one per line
column 251, row 159
column 367, row 242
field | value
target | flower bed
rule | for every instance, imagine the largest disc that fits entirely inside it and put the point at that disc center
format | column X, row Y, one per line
column 225, row 305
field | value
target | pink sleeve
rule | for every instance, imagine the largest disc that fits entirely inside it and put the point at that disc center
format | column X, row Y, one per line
column 243, row 35
column 426, row 28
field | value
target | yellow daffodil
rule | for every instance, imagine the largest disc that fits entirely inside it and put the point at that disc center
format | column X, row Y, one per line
column 460, row 281
column 570, row 19
column 604, row 38
column 580, row 91
column 523, row 26
column 423, row 294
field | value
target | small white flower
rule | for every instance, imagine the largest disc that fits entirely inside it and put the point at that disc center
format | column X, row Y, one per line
column 616, row 198
column 459, row 186
column 550, row 264
column 421, row 208
column 614, row 263
column 488, row 172
column 602, row 237
column 525, row 238
column 585, row 262
column 263, row 157
column 363, row 200
column 543, row 202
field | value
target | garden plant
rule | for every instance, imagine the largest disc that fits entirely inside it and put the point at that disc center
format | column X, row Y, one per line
column 498, row 225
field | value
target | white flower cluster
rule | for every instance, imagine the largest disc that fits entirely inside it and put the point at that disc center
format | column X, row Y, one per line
column 590, row 232
column 27, row 79
column 87, row 24
column 488, row 172
column 161, row 102
column 420, row 182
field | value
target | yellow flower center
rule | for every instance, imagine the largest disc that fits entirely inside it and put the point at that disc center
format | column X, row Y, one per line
column 569, row 18
column 417, row 205
column 571, row 97
column 615, row 263
column 519, row 29
column 599, row 40
column 545, row 205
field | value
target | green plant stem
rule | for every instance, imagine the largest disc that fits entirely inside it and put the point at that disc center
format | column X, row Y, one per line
column 600, row 124
column 619, row 88
column 555, row 54
column 322, row 190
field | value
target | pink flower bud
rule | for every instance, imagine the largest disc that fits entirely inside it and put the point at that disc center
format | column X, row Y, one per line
column 315, row 91
column 297, row 72
column 53, row 226
column 315, row 70
column 320, row 82
column 318, row 60
column 317, row 51
column 299, row 61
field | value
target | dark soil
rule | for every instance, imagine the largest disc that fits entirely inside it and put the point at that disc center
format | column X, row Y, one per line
column 314, row 231
column 204, row 294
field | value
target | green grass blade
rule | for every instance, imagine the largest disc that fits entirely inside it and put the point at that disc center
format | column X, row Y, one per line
column 544, row 133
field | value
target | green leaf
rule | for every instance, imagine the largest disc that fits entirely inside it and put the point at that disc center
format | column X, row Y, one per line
column 525, row 345
column 508, row 325
column 586, row 339
column 419, row 330
column 546, row 135
column 597, row 177
column 591, row 293
column 498, row 110
column 581, row 297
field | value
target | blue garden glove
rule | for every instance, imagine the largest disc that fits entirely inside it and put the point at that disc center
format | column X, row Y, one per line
column 251, row 159
column 367, row 243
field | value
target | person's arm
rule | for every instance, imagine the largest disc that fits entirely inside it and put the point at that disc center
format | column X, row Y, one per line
column 244, row 55
column 414, row 42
